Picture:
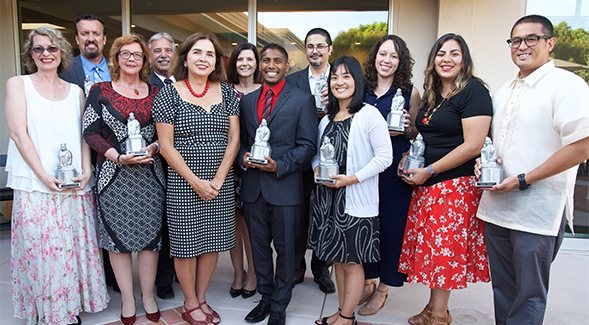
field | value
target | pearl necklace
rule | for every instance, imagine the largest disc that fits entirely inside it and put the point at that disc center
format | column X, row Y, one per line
column 204, row 92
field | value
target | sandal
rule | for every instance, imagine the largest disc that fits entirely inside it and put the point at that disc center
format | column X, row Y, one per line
column 442, row 320
column 188, row 318
column 364, row 310
column 213, row 314
column 423, row 318
column 323, row 321
column 353, row 318
column 367, row 298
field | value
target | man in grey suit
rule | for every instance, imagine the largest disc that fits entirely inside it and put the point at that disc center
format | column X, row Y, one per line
column 90, row 66
column 162, row 52
column 273, row 193
column 318, row 44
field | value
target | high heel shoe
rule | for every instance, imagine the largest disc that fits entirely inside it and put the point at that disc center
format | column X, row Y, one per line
column 154, row 317
column 368, row 296
column 238, row 292
column 364, row 310
column 248, row 293
column 323, row 321
column 212, row 315
column 423, row 318
column 128, row 320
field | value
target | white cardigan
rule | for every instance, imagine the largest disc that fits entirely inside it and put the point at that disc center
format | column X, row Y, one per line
column 370, row 152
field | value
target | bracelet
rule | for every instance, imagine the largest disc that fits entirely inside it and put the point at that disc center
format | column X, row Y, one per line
column 158, row 147
column 430, row 169
column 119, row 162
column 410, row 133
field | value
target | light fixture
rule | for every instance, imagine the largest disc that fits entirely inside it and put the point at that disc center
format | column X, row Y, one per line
column 133, row 26
column 31, row 26
column 234, row 43
column 357, row 43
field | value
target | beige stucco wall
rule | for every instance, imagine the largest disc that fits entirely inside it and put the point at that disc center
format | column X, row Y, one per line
column 485, row 25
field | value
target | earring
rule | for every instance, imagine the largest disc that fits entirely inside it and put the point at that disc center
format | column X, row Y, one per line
column 185, row 65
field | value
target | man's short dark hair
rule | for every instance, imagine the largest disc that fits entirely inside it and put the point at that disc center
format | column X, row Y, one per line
column 319, row 31
column 274, row 46
column 88, row 16
column 547, row 27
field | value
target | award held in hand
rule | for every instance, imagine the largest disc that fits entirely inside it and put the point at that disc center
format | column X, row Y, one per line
column 491, row 171
column 328, row 165
column 65, row 171
column 135, row 141
column 321, row 83
column 415, row 158
column 261, row 147
column 395, row 116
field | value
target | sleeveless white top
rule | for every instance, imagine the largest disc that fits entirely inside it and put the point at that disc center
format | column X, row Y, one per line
column 49, row 124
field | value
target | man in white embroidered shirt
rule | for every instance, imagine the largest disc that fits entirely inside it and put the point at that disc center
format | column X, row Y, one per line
column 541, row 131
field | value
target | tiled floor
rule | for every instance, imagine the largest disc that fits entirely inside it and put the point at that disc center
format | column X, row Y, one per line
column 568, row 299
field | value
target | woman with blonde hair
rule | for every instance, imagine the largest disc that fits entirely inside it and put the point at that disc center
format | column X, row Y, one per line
column 56, row 268
column 444, row 245
column 130, row 188
column 198, row 124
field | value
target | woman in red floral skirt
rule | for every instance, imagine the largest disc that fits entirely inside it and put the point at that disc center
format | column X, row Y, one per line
column 444, row 245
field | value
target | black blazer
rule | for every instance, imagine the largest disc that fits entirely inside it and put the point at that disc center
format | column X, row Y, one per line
column 75, row 74
column 155, row 80
column 293, row 139
column 300, row 79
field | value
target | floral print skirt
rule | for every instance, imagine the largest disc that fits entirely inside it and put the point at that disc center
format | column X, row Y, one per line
column 56, row 264
column 444, row 243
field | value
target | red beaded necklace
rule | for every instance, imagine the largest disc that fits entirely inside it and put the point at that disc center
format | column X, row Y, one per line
column 204, row 92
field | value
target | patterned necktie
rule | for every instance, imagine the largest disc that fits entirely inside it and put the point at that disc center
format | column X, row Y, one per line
column 168, row 81
column 267, row 105
column 96, row 71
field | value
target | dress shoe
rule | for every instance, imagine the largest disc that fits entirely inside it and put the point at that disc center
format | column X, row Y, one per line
column 297, row 279
column 325, row 284
column 235, row 292
column 248, row 293
column 277, row 318
column 166, row 292
column 259, row 312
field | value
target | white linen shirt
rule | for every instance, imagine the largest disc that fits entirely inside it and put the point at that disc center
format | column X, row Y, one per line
column 535, row 117
column 370, row 152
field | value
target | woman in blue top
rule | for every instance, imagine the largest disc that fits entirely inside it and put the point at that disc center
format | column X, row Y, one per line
column 387, row 69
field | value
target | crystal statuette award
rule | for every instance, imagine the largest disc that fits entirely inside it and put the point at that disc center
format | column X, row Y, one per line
column 415, row 158
column 321, row 83
column 65, row 171
column 491, row 171
column 261, row 147
column 135, row 140
column 395, row 116
column 328, row 165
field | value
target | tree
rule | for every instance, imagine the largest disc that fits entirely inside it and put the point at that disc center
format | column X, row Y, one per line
column 357, row 42
column 572, row 45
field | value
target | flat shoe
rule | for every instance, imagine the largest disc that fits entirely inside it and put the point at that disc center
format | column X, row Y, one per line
column 323, row 321
column 213, row 314
column 423, row 318
column 442, row 320
column 367, row 298
column 188, row 318
column 364, row 310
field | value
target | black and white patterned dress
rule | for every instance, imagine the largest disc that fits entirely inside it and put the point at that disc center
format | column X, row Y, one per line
column 197, row 226
column 130, row 198
column 334, row 235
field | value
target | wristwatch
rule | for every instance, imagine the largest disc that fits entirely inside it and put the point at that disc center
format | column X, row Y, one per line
column 522, row 182
column 430, row 169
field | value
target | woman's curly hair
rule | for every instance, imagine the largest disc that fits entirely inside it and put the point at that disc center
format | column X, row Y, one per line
column 404, row 72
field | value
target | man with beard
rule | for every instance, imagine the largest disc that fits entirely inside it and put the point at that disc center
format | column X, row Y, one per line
column 318, row 44
column 162, row 51
column 90, row 66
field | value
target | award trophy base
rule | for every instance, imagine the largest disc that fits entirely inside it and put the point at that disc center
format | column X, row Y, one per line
column 134, row 146
column 491, row 175
column 323, row 173
column 412, row 163
column 318, row 104
column 66, row 176
column 395, row 122
column 259, row 154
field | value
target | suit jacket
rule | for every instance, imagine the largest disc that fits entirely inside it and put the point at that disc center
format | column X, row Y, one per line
column 155, row 80
column 300, row 79
column 76, row 73
column 293, row 139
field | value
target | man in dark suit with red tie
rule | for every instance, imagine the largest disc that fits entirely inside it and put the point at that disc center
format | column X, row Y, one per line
column 273, row 193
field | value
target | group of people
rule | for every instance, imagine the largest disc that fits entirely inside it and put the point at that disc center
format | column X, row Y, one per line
column 193, row 189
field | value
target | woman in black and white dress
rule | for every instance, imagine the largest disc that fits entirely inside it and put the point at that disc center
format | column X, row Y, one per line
column 344, row 227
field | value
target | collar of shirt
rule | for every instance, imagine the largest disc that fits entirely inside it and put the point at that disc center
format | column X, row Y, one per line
column 313, row 79
column 276, row 90
column 535, row 76
column 162, row 78
column 88, row 66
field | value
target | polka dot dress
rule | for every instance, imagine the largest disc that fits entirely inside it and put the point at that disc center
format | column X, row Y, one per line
column 197, row 226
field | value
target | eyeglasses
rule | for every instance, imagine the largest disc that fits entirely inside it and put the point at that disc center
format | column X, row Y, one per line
column 530, row 40
column 125, row 55
column 41, row 49
column 319, row 47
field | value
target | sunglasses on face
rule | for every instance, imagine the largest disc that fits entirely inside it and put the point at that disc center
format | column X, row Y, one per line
column 41, row 49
